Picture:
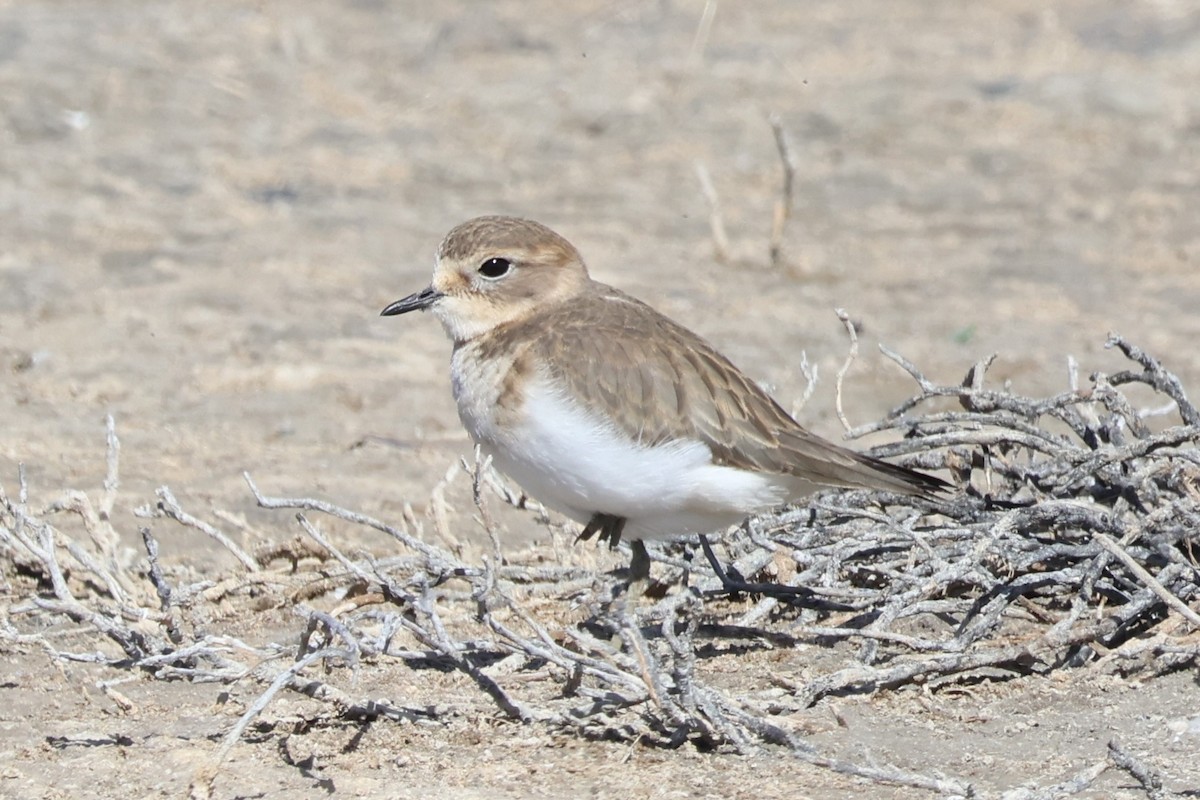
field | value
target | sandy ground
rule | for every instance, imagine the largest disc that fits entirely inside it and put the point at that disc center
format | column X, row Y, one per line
column 203, row 206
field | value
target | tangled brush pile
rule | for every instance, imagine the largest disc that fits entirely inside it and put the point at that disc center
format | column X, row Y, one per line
column 1072, row 543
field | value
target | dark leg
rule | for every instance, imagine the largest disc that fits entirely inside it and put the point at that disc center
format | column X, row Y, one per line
column 609, row 528
column 639, row 565
column 736, row 584
column 727, row 583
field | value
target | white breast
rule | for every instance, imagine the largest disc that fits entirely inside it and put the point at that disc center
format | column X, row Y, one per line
column 581, row 465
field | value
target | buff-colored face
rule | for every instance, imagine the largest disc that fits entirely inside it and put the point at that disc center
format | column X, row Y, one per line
column 494, row 270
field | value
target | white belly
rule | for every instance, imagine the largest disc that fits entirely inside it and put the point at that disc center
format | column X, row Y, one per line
column 579, row 465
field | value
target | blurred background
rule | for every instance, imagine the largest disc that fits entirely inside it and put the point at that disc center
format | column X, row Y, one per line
column 204, row 206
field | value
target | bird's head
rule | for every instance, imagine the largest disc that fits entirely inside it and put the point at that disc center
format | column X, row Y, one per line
column 492, row 271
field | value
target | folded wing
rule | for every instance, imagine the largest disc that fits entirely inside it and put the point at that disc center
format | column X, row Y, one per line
column 673, row 385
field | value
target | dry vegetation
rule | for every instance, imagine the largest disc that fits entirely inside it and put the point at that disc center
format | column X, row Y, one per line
column 206, row 205
column 1070, row 546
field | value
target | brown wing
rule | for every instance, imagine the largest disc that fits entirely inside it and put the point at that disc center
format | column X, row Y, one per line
column 660, row 382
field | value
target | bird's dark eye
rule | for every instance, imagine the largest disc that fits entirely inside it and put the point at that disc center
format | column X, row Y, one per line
column 495, row 267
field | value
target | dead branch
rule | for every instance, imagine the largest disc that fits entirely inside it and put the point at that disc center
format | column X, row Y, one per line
column 1071, row 544
column 783, row 205
column 852, row 332
column 716, row 221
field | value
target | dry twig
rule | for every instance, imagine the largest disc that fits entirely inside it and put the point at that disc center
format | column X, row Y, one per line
column 783, row 205
column 1071, row 544
column 716, row 221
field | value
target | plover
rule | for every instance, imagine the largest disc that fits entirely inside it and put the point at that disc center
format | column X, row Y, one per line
column 607, row 411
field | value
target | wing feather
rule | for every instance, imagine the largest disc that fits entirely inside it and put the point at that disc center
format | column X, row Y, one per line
column 665, row 383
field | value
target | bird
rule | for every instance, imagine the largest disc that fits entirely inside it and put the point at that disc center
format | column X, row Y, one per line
column 609, row 412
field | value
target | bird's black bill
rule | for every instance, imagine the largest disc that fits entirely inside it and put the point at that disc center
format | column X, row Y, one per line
column 414, row 302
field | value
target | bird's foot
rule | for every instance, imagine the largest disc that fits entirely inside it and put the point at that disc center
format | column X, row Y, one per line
column 636, row 579
column 735, row 584
column 607, row 525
